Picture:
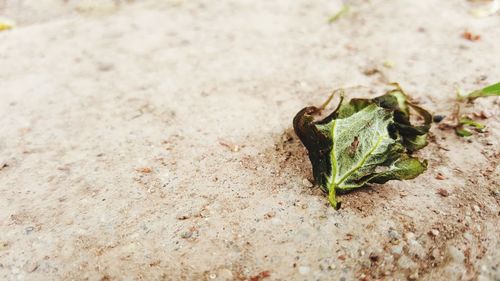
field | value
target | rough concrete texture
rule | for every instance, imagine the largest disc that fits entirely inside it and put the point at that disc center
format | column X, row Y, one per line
column 151, row 140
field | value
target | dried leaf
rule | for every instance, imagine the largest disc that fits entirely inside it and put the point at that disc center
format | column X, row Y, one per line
column 363, row 141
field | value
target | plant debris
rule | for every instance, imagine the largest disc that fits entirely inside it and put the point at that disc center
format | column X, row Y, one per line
column 3, row 165
column 260, row 276
column 343, row 11
column 144, row 170
column 483, row 8
column 233, row 147
column 488, row 91
column 470, row 36
column 363, row 141
column 464, row 122
column 6, row 24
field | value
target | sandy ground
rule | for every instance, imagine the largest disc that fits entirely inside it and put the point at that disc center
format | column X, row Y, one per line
column 151, row 140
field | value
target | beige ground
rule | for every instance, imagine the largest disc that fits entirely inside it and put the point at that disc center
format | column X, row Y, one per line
column 152, row 141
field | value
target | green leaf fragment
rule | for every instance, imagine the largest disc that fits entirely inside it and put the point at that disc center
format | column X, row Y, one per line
column 343, row 10
column 363, row 141
column 6, row 24
column 489, row 91
column 466, row 121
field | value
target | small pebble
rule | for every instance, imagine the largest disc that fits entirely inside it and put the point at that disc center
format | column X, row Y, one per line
column 438, row 118
column 410, row 235
column 440, row 176
column 435, row 253
column 270, row 214
column 3, row 245
column 394, row 235
column 456, row 254
column 29, row 229
column 187, row 234
column 307, row 183
column 414, row 276
column 476, row 208
column 443, row 192
column 468, row 236
column 182, row 217
column 304, row 270
column 415, row 249
column 434, row 232
column 406, row 263
column 398, row 249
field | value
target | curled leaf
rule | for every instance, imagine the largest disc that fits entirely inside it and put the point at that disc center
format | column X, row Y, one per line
column 363, row 141
column 466, row 121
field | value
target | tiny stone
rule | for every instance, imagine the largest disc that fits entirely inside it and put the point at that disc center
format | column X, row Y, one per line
column 434, row 232
column 29, row 229
column 304, row 270
column 440, row 176
column 414, row 276
column 456, row 254
column 443, row 192
column 468, row 236
column 438, row 118
column 225, row 274
column 415, row 249
column 476, row 208
column 30, row 266
column 395, row 236
column 187, row 234
column 269, row 214
column 398, row 249
column 406, row 263
column 307, row 183
column 435, row 253
column 374, row 257
column 410, row 235
column 104, row 67
column 182, row 217
column 3, row 245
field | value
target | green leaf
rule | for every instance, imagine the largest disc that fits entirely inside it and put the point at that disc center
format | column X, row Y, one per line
column 462, row 132
column 491, row 90
column 466, row 121
column 363, row 141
